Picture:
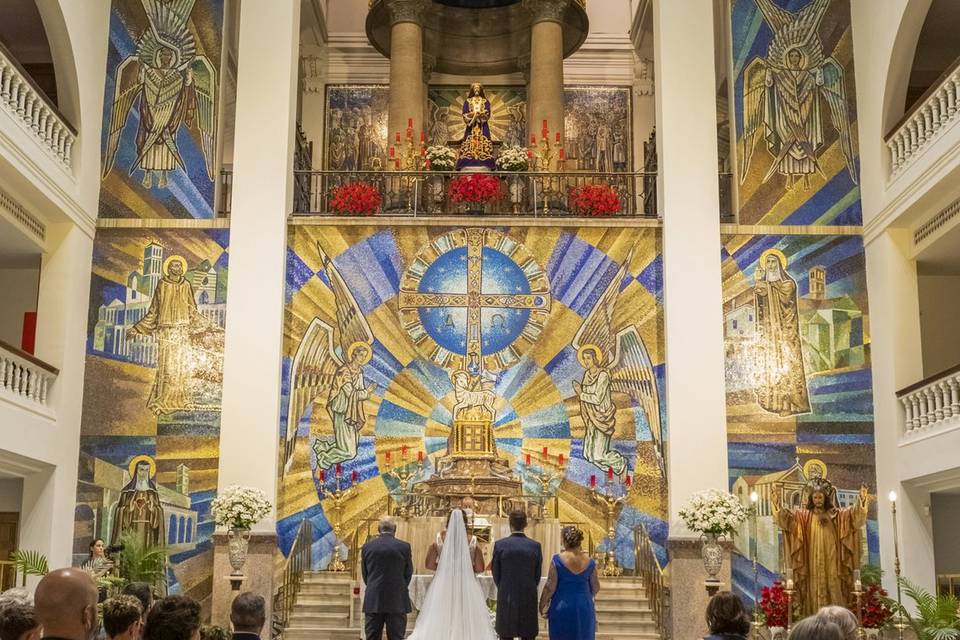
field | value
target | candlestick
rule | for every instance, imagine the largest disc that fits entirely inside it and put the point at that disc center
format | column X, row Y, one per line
column 628, row 481
column 560, row 460
column 339, row 469
column 546, row 452
column 354, row 476
column 323, row 476
column 398, row 137
column 387, row 456
column 533, row 139
column 423, row 136
column 419, row 456
column 339, row 496
column 544, row 127
column 610, row 501
column 556, row 138
column 393, row 151
column 409, row 123
column 527, row 458
column 753, row 558
column 593, row 481
column 403, row 450
column 609, row 474
column 899, row 625
column 561, row 153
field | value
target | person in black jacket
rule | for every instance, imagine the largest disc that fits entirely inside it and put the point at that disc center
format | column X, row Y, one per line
column 387, row 566
column 517, row 565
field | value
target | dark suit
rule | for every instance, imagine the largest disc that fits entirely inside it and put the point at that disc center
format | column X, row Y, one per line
column 387, row 569
column 516, row 566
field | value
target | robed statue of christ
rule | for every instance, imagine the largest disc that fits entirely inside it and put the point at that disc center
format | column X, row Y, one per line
column 476, row 148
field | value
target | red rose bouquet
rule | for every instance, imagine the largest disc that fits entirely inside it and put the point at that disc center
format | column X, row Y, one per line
column 774, row 603
column 475, row 188
column 874, row 609
column 595, row 200
column 356, row 199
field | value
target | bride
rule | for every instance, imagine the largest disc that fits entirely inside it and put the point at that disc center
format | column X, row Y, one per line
column 454, row 606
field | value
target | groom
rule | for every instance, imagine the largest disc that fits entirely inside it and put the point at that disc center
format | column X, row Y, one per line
column 516, row 569
column 387, row 567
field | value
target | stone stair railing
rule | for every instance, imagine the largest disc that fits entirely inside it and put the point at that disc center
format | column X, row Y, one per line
column 25, row 380
column 931, row 403
column 930, row 117
column 24, row 101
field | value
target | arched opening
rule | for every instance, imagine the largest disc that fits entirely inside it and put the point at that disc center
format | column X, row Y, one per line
column 25, row 39
column 172, row 533
column 937, row 50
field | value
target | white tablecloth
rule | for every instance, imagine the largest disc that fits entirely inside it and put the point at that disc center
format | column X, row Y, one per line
column 420, row 583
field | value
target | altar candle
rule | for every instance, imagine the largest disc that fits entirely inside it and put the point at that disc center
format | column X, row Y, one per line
column 388, row 457
column 419, row 456
column 546, row 452
column 423, row 136
column 628, row 481
column 398, row 137
column 409, row 123
column 544, row 127
column 393, row 151
column 338, row 469
column 530, row 153
column 533, row 138
column 560, row 459
column 323, row 476
column 856, row 580
column 354, row 476
column 561, row 153
column 593, row 482
column 557, row 137
column 423, row 151
column 403, row 450
column 527, row 458
column 427, row 164
column 609, row 473
column 396, row 163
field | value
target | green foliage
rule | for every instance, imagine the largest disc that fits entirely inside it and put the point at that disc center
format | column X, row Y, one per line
column 870, row 574
column 29, row 563
column 937, row 616
column 139, row 562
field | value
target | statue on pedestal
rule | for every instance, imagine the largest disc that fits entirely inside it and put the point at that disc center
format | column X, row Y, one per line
column 476, row 148
column 822, row 544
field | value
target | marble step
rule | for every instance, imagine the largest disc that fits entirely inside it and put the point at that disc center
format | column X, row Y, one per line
column 309, row 618
column 340, row 632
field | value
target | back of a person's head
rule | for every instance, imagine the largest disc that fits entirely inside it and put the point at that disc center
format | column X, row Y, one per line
column 120, row 613
column 173, row 618
column 65, row 603
column 17, row 621
column 725, row 615
column 816, row 628
column 248, row 613
column 843, row 618
column 142, row 592
column 518, row 520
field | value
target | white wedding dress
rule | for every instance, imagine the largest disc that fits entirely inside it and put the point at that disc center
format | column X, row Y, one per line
column 454, row 606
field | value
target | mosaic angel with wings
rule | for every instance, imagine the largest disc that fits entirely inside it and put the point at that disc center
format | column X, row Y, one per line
column 330, row 360
column 175, row 88
column 783, row 94
column 613, row 361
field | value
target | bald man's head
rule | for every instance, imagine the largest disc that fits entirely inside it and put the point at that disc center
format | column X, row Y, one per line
column 66, row 604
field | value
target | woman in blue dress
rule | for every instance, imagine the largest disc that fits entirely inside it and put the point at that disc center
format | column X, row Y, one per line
column 567, row 599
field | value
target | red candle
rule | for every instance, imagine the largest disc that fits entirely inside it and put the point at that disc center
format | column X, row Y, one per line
column 561, row 153
column 354, row 476
column 546, row 452
column 423, row 151
column 393, row 151
column 593, row 482
column 396, row 163
column 557, row 137
column 338, row 469
column 398, row 137
column 609, row 473
column 409, row 123
column 560, row 459
column 533, row 138
column 544, row 127
column 388, row 456
column 419, row 456
column 530, row 153
column 323, row 475
column 528, row 459
column 423, row 136
column 427, row 164
column 629, row 481
column 404, row 450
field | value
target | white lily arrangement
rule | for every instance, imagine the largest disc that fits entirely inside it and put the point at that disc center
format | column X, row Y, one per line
column 240, row 507
column 441, row 157
column 713, row 512
column 512, row 158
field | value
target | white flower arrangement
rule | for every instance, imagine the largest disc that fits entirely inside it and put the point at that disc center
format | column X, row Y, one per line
column 441, row 157
column 512, row 159
column 714, row 512
column 240, row 507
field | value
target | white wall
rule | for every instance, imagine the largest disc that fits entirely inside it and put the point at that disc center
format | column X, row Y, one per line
column 18, row 293
column 945, row 510
column 939, row 318
column 11, row 494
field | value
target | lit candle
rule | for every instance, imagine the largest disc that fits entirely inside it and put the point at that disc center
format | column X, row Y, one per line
column 546, row 452
column 754, row 497
column 789, row 584
column 419, row 456
column 593, row 482
column 393, row 151
column 354, row 476
column 557, row 137
column 527, row 458
column 893, row 496
column 339, row 469
column 560, row 459
column 388, row 457
column 609, row 473
column 857, row 585
column 403, row 450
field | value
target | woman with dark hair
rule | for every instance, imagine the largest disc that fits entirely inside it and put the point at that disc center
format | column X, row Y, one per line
column 726, row 618
column 567, row 599
column 97, row 562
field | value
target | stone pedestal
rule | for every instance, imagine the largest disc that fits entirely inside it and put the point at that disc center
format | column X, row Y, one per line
column 258, row 575
column 545, row 84
column 406, row 67
column 688, row 592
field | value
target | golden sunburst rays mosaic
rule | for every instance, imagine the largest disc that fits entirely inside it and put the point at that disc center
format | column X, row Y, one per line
column 409, row 412
column 507, row 111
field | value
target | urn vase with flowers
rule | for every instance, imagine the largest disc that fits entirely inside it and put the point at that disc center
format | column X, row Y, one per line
column 715, row 515
column 239, row 508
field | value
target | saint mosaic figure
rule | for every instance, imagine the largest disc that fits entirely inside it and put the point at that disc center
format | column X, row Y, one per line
column 331, row 359
column 476, row 148
column 781, row 383
column 139, row 512
column 173, row 319
column 175, row 88
column 782, row 96
column 613, row 361
column 822, row 544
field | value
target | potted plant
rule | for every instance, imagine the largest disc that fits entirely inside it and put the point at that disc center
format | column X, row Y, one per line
column 937, row 616
column 475, row 189
column 773, row 604
column 595, row 200
column 239, row 508
column 713, row 514
column 514, row 159
column 29, row 563
column 356, row 199
column 141, row 562
column 875, row 612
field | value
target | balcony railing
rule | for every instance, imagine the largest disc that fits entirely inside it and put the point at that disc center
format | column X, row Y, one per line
column 25, row 380
column 930, row 116
column 932, row 403
column 419, row 193
column 26, row 102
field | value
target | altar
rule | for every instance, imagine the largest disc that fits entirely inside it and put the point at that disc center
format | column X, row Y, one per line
column 421, row 532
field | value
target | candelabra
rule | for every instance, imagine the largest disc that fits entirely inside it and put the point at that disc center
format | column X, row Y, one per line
column 755, row 624
column 542, row 157
column 407, row 155
column 404, row 475
column 339, row 496
column 545, row 478
column 858, row 600
column 610, row 502
column 789, row 591
column 900, row 624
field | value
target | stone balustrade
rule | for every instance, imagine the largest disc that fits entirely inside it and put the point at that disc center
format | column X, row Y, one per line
column 930, row 117
column 25, row 380
column 932, row 403
column 25, row 102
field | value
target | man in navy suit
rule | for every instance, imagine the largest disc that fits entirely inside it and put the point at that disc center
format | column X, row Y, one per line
column 516, row 565
column 387, row 569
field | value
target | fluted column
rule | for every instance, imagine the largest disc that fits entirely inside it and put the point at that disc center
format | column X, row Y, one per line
column 406, row 66
column 545, row 84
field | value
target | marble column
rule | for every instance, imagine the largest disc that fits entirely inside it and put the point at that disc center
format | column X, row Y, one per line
column 262, row 198
column 688, row 183
column 406, row 67
column 545, row 84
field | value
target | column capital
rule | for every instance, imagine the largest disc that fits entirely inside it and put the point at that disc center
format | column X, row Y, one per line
column 546, row 10
column 406, row 11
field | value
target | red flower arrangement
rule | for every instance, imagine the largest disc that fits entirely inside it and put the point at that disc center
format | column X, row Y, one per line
column 475, row 188
column 595, row 200
column 355, row 198
column 874, row 608
column 774, row 603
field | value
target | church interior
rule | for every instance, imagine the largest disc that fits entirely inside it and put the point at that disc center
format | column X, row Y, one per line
column 681, row 275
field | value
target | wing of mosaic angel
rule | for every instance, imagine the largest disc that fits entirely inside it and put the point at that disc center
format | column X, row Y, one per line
column 834, row 91
column 127, row 85
column 754, row 94
column 203, row 81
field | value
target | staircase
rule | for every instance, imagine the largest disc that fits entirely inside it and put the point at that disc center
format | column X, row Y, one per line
column 322, row 611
